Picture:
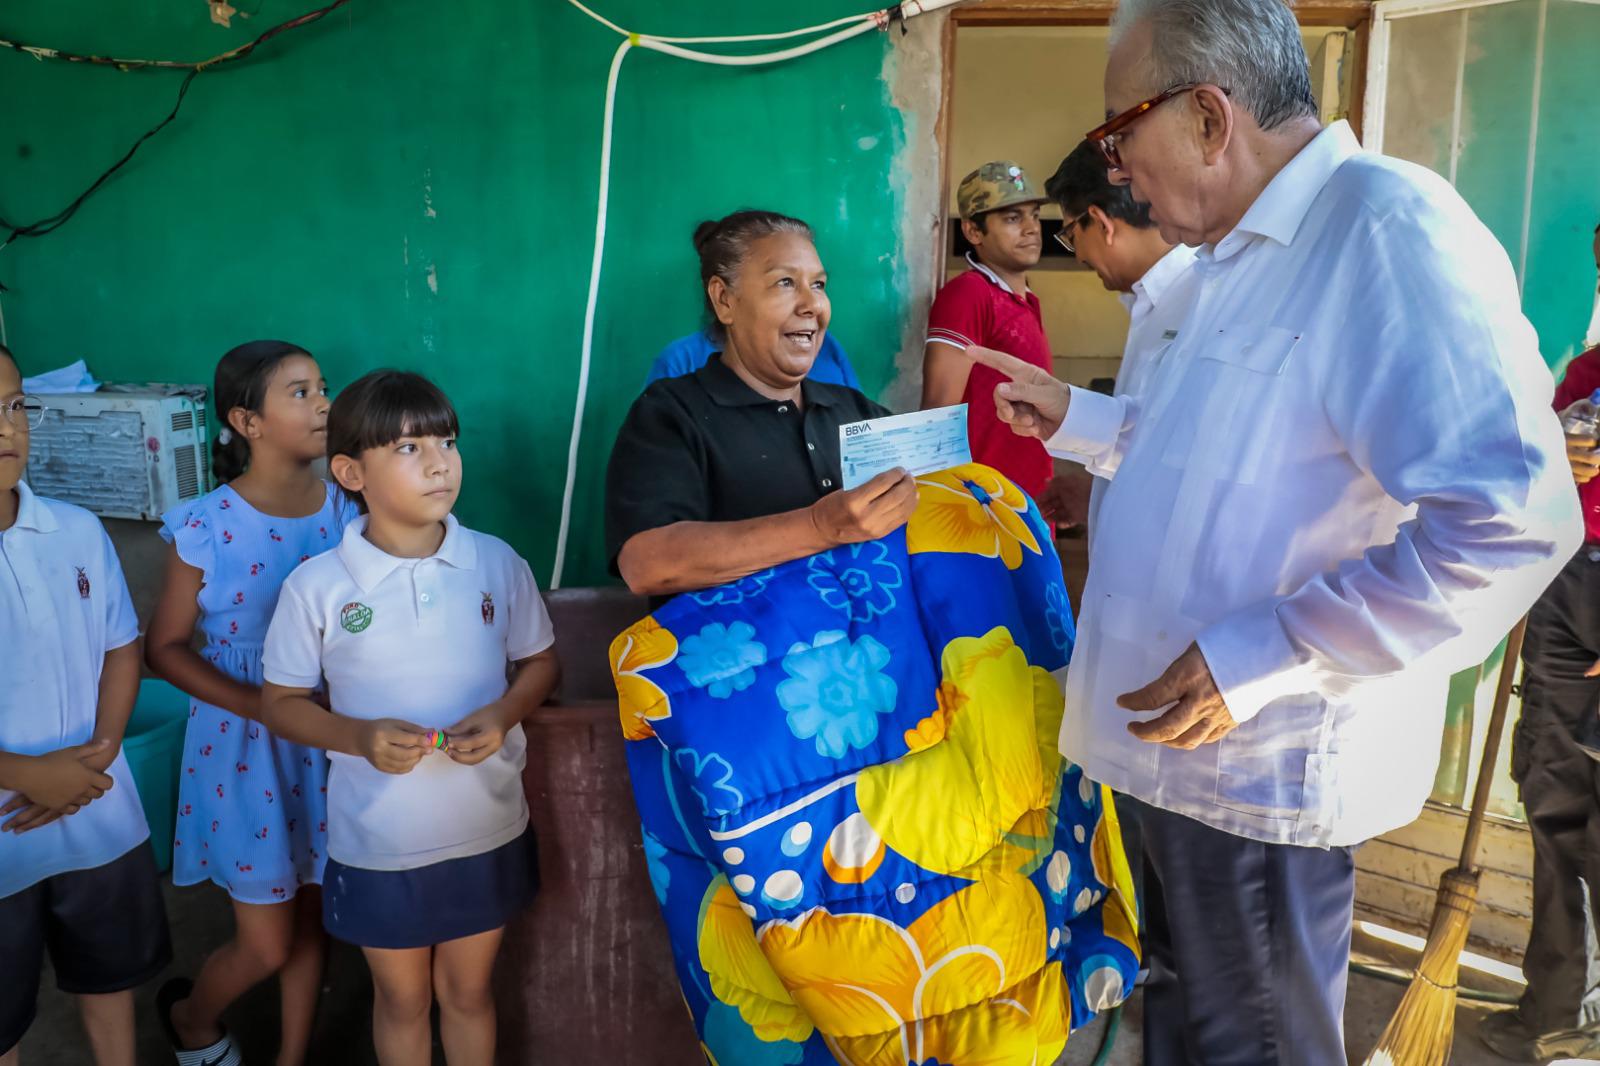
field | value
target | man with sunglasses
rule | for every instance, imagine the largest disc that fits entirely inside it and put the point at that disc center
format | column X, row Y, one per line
column 1343, row 483
column 1110, row 232
column 991, row 305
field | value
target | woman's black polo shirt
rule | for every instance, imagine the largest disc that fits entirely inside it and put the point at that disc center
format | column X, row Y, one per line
column 706, row 447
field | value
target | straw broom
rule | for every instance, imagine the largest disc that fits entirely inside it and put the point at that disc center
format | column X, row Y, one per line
column 1423, row 1026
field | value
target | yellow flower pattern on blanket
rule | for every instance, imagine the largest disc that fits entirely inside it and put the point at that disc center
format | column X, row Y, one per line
column 865, row 843
column 971, row 509
column 861, row 977
column 643, row 647
column 989, row 770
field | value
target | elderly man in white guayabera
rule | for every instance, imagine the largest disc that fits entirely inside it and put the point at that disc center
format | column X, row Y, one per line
column 1343, row 483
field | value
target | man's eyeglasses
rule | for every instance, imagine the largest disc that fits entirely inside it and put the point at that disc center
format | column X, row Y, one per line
column 1105, row 136
column 1064, row 235
column 24, row 412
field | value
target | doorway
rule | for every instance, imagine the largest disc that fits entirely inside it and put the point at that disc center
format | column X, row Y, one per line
column 1027, row 91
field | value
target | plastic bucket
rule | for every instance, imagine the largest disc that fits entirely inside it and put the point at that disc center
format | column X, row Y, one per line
column 153, row 745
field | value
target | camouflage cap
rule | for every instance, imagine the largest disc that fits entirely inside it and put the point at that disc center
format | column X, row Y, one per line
column 993, row 186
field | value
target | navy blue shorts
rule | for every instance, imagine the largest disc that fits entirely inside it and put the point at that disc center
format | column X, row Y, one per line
column 430, row 904
column 105, row 930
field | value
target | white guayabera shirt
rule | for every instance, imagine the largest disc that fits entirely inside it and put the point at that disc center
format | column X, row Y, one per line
column 1157, row 307
column 1344, row 481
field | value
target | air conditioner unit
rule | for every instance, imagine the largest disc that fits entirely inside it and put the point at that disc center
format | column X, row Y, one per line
column 131, row 451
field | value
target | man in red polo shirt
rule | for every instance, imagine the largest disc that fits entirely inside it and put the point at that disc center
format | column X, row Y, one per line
column 1554, row 753
column 990, row 305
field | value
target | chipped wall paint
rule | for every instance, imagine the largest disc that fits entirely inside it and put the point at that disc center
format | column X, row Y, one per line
column 405, row 184
column 914, row 72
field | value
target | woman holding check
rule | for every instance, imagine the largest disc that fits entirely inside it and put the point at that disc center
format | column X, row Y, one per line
column 841, row 737
column 735, row 468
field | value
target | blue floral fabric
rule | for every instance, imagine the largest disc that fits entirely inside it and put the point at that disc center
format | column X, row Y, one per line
column 865, row 844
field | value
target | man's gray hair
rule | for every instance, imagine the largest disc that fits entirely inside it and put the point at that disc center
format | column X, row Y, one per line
column 1252, row 48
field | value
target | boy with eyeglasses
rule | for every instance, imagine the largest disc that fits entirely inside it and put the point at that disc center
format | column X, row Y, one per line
column 76, row 877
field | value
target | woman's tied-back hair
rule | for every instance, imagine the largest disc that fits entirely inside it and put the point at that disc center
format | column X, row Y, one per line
column 724, row 245
column 241, row 381
column 380, row 408
column 1252, row 48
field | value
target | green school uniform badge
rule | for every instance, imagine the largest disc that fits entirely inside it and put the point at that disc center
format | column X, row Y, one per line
column 355, row 617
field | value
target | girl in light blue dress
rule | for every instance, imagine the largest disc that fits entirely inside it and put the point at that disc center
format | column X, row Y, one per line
column 251, row 807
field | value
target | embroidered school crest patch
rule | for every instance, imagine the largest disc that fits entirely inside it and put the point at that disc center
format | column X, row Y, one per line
column 488, row 609
column 355, row 617
column 83, row 583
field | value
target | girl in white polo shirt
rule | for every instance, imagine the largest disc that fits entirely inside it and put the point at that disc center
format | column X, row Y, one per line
column 435, row 645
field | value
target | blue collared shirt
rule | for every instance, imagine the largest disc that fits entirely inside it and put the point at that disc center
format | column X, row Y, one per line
column 688, row 354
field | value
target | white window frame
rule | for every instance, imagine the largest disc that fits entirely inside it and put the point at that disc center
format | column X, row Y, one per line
column 1384, row 14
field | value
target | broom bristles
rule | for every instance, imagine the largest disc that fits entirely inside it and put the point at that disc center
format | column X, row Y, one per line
column 1423, row 1027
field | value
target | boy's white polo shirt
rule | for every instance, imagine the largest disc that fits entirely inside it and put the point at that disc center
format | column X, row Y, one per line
column 63, row 604
column 427, row 641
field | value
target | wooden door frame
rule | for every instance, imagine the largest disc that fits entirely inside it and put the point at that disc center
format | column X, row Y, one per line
column 1344, row 14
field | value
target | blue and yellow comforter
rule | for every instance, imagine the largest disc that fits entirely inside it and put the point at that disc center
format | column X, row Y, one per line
column 865, row 844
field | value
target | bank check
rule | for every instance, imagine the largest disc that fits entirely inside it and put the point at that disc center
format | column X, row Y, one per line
column 920, row 442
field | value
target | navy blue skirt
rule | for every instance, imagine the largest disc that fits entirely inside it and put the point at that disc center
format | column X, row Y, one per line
column 430, row 904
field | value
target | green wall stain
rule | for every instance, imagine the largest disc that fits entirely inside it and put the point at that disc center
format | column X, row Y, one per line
column 414, row 185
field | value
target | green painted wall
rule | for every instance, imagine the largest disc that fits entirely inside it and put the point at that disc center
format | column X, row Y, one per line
column 1558, row 292
column 413, row 184
column 1504, row 51
column 1497, row 95
column 1501, row 52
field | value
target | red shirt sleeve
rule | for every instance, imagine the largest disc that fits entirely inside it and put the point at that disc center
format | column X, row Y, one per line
column 1581, row 379
column 958, row 315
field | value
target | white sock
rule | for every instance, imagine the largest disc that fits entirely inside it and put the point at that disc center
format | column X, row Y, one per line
column 223, row 1053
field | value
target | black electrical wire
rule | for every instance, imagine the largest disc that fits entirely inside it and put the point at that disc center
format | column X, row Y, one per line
column 54, row 222
column 232, row 54
column 62, row 217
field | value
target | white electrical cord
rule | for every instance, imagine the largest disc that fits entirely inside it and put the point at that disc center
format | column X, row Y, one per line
column 854, row 26
column 759, row 60
column 588, row 311
column 780, row 36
